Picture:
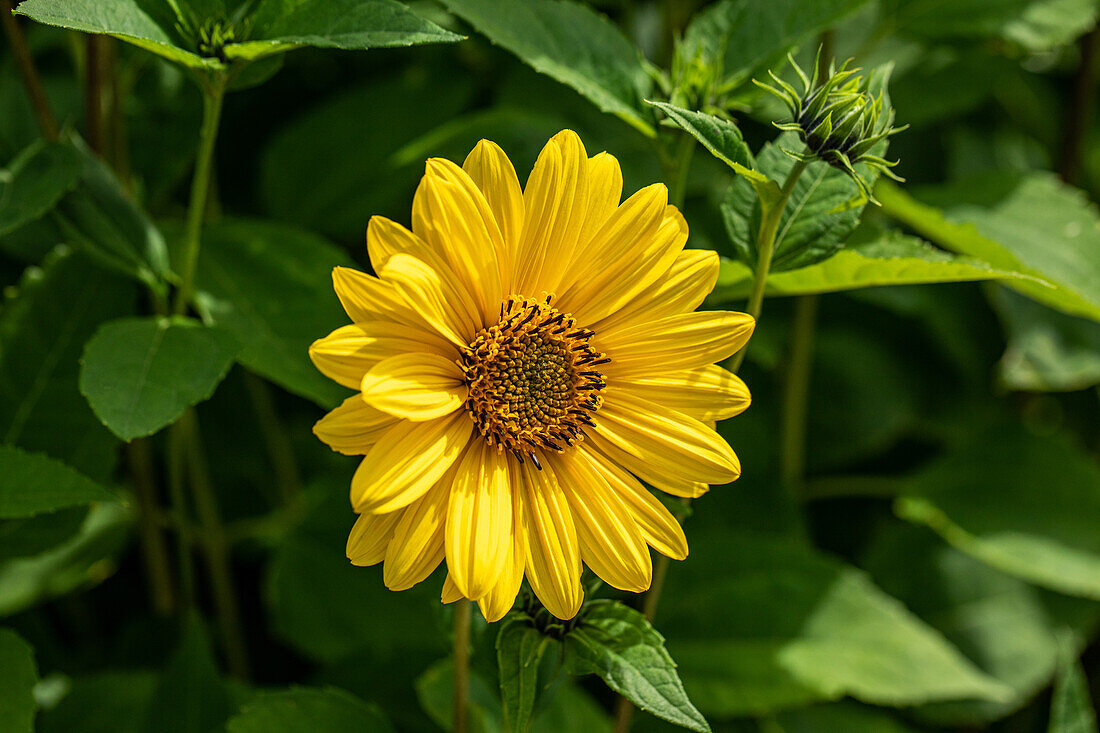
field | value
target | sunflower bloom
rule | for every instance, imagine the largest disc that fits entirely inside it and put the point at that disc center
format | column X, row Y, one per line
column 523, row 360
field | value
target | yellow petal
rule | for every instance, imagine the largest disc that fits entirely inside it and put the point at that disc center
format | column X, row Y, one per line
column 428, row 290
column 366, row 298
column 417, row 386
column 671, row 442
column 708, row 393
column 555, row 201
column 493, row 173
column 408, row 460
column 479, row 524
column 609, row 538
column 370, row 537
column 553, row 552
column 605, row 191
column 349, row 352
column 680, row 290
column 353, row 427
column 416, row 548
column 386, row 238
column 451, row 214
column 496, row 604
column 674, row 343
column 450, row 593
column 611, row 284
column 656, row 523
column 657, row 477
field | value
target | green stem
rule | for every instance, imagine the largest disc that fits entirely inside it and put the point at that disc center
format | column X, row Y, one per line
column 94, row 62
column 765, row 247
column 213, row 95
column 461, row 666
column 765, row 241
column 177, row 470
column 154, row 551
column 216, row 548
column 47, row 123
column 792, row 457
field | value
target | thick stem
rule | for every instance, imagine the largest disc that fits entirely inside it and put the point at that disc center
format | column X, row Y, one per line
column 153, row 547
column 461, row 666
column 47, row 123
column 792, row 458
column 213, row 95
column 216, row 549
column 765, row 247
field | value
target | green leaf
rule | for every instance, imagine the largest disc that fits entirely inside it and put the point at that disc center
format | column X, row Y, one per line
column 148, row 24
column 35, row 181
column 18, row 676
column 42, row 334
column 80, row 562
column 100, row 217
column 571, row 43
column 1035, row 226
column 759, row 625
column 1047, row 351
column 140, row 374
column 620, row 645
column 269, row 286
column 520, row 648
column 30, row 536
column 1071, row 708
column 31, row 483
column 743, row 37
column 982, row 499
column 1046, row 24
column 108, row 702
column 281, row 25
column 823, row 209
column 435, row 690
column 1009, row 628
column 190, row 696
column 724, row 141
column 302, row 710
column 275, row 27
column 871, row 257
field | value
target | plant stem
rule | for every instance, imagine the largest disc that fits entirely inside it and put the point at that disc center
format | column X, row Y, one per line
column 765, row 241
column 792, row 456
column 176, row 477
column 461, row 665
column 213, row 95
column 47, row 123
column 765, row 247
column 216, row 549
column 153, row 547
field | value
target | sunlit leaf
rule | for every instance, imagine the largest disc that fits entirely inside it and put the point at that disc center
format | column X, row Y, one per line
column 1071, row 709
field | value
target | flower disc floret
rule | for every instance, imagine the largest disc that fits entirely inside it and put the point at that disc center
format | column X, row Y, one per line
column 533, row 379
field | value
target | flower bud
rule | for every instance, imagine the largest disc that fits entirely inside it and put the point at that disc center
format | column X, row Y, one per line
column 838, row 118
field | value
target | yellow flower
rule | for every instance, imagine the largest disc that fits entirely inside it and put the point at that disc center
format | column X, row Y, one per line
column 523, row 358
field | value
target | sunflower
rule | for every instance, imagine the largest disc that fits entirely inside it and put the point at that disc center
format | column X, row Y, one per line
column 524, row 360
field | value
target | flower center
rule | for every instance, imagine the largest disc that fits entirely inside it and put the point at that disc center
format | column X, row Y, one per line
column 532, row 379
